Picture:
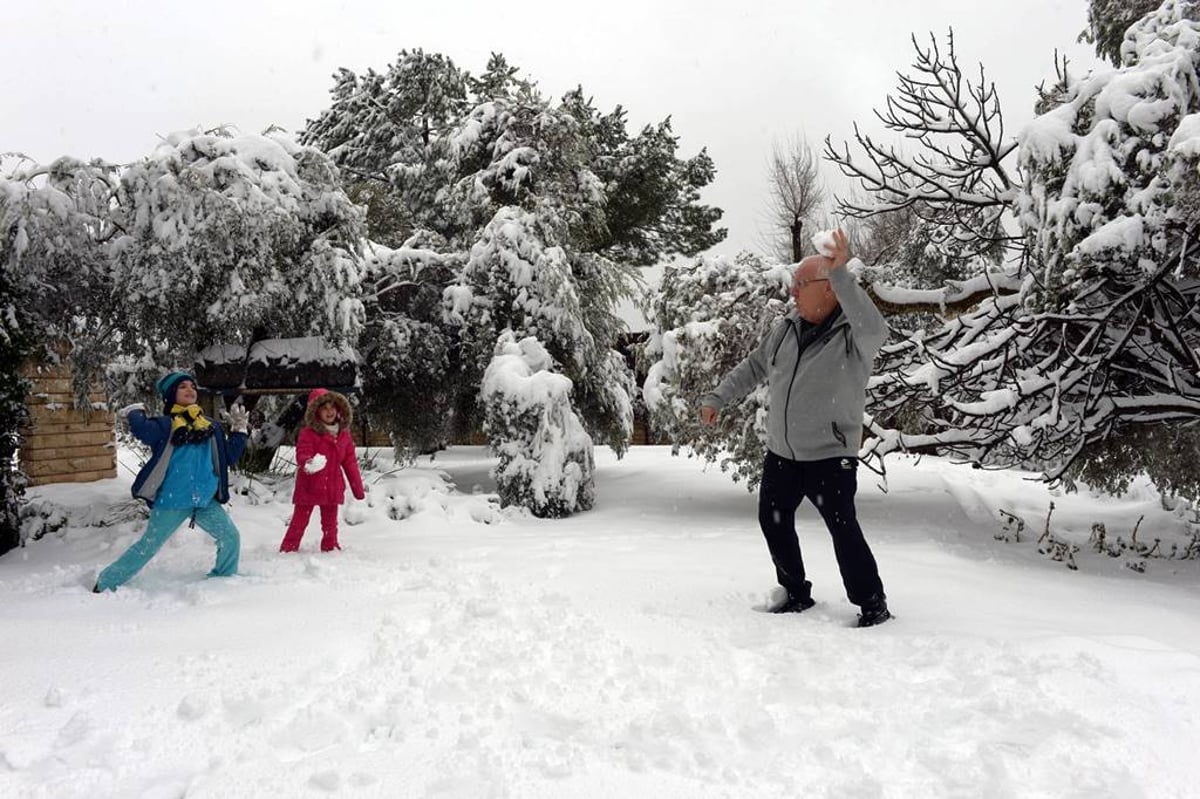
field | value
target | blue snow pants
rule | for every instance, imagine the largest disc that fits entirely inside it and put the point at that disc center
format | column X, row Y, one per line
column 163, row 523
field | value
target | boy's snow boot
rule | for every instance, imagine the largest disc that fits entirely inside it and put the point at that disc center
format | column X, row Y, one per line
column 874, row 612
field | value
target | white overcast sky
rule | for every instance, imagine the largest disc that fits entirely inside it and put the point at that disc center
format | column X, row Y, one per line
column 106, row 79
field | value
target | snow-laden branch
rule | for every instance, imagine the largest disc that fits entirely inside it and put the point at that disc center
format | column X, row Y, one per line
column 1010, row 386
column 952, row 299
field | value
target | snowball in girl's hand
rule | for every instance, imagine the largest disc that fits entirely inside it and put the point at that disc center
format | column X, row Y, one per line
column 315, row 464
column 823, row 241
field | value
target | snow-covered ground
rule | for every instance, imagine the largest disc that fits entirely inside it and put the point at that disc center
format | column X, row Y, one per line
column 453, row 649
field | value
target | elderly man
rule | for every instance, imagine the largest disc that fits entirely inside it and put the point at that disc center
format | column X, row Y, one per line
column 816, row 360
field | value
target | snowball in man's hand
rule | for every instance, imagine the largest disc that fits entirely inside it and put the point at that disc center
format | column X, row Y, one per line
column 824, row 242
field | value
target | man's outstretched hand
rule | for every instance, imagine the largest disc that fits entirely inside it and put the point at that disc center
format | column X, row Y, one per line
column 708, row 415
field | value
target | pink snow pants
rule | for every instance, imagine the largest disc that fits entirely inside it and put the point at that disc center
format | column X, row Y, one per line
column 300, row 517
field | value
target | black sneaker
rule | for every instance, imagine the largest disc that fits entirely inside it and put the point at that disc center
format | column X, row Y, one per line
column 874, row 614
column 791, row 604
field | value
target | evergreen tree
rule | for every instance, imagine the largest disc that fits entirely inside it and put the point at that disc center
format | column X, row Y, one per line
column 1107, row 22
column 546, row 208
column 413, row 381
column 429, row 129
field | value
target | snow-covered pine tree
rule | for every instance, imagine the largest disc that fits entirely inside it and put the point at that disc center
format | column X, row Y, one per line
column 514, row 284
column 706, row 316
column 226, row 236
column 528, row 270
column 545, row 455
column 425, row 125
column 506, row 181
column 1107, row 22
column 389, row 132
column 413, row 372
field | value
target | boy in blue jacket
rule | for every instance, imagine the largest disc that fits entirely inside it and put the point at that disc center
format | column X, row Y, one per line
column 186, row 478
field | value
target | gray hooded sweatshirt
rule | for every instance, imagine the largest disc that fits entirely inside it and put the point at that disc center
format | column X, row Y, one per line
column 815, row 401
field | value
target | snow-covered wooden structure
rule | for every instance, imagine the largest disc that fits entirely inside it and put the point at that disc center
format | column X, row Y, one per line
column 276, row 366
column 63, row 443
column 292, row 366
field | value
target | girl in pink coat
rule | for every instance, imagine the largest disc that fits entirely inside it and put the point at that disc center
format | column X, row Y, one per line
column 324, row 451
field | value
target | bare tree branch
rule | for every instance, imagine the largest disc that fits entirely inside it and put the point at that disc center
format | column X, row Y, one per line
column 958, row 176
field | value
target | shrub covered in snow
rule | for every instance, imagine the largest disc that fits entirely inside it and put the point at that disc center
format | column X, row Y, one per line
column 545, row 455
column 707, row 316
column 210, row 238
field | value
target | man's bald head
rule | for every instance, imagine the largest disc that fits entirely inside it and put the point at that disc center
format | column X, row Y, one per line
column 813, row 266
column 811, row 292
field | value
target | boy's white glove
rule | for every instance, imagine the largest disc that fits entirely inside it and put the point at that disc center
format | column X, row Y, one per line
column 315, row 464
column 239, row 418
column 128, row 409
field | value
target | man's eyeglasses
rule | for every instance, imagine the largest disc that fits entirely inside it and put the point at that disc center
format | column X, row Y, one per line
column 799, row 284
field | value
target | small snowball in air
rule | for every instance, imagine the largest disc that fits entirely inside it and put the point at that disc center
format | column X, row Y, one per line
column 823, row 241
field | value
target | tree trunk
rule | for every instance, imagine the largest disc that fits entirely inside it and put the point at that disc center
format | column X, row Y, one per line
column 797, row 240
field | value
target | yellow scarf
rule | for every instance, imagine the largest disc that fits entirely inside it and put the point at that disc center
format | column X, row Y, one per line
column 189, row 416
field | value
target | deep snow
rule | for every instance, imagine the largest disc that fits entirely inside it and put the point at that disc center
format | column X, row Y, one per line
column 453, row 649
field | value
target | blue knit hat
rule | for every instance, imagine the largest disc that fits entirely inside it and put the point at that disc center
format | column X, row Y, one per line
column 167, row 384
